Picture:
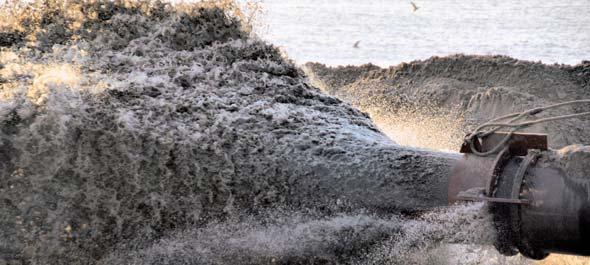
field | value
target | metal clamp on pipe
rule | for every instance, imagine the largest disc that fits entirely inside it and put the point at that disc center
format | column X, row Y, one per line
column 539, row 204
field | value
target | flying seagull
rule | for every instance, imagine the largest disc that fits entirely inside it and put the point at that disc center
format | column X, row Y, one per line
column 356, row 44
column 414, row 6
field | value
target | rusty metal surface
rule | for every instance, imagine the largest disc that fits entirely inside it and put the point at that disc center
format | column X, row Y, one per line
column 496, row 171
column 518, row 145
column 469, row 172
column 479, row 195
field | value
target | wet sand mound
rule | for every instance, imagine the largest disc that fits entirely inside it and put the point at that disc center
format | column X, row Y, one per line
column 459, row 92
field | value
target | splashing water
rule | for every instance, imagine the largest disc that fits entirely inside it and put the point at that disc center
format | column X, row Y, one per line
column 419, row 125
column 293, row 238
column 150, row 134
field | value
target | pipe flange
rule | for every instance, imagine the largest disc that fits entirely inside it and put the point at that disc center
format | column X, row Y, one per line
column 504, row 242
column 522, row 243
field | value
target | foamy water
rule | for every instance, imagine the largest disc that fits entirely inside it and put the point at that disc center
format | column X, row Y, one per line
column 453, row 235
column 390, row 32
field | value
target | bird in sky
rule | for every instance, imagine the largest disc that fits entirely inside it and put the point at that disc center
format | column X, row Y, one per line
column 414, row 6
column 356, row 44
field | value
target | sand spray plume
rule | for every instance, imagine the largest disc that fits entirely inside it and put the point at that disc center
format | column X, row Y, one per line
column 146, row 133
column 63, row 91
column 416, row 123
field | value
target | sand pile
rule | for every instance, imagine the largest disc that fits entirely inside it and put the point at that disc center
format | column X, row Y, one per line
column 440, row 99
column 127, row 127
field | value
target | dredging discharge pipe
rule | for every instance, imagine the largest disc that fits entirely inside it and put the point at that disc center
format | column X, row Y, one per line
column 539, row 198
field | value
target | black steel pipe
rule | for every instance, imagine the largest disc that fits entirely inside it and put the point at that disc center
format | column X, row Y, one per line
column 540, row 202
column 558, row 219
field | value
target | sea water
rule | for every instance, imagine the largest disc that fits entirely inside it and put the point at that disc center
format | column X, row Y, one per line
column 391, row 32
